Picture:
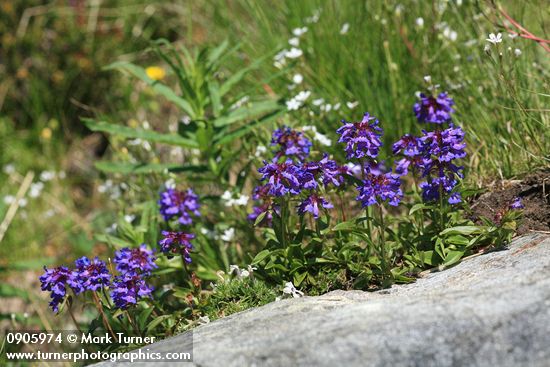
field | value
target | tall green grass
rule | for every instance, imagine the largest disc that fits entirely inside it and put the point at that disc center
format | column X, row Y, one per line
column 501, row 101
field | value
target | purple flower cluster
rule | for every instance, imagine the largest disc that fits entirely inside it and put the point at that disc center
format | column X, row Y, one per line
column 128, row 288
column 290, row 178
column 436, row 110
column 265, row 203
column 135, row 260
column 55, row 281
column 89, row 275
column 433, row 154
column 177, row 243
column 182, row 204
column 517, row 204
column 290, row 143
column 363, row 139
column 378, row 187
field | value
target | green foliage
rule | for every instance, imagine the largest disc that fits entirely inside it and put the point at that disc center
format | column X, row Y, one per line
column 235, row 295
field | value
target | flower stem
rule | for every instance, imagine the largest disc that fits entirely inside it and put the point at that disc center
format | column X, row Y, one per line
column 103, row 317
column 382, row 244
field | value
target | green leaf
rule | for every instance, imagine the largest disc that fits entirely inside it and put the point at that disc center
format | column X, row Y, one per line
column 131, row 133
column 246, row 112
column 157, row 320
column 225, row 138
column 113, row 241
column 260, row 218
column 158, row 87
column 143, row 316
column 345, row 226
column 417, row 207
column 453, row 257
column 260, row 256
column 464, row 230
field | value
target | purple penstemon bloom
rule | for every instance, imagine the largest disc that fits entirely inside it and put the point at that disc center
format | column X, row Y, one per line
column 363, row 139
column 443, row 184
column 182, row 204
column 378, row 187
column 55, row 281
column 135, row 260
column 408, row 145
column 282, row 178
column 436, row 110
column 311, row 204
column 177, row 243
column 89, row 275
column 517, row 204
column 291, row 143
column 328, row 170
column 128, row 289
column 445, row 145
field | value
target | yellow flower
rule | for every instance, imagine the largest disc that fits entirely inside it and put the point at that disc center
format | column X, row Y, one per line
column 46, row 133
column 155, row 72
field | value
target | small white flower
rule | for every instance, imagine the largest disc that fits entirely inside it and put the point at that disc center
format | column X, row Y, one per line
column 36, row 189
column 293, row 104
column 323, row 139
column 129, row 218
column 297, row 78
column 450, row 34
column 294, row 41
column 251, row 268
column 352, row 105
column 315, row 17
column 242, row 200
column 244, row 273
column 486, row 48
column 494, row 39
column 299, row 31
column 517, row 52
column 227, row 196
column 234, row 269
column 280, row 56
column 112, row 228
column 260, row 150
column 512, row 35
column 23, row 202
column 294, row 53
column 47, row 176
column 420, row 22
column 186, row 120
column 8, row 199
column 318, row 102
column 398, row 9
column 345, row 28
column 291, row 290
column 336, row 106
column 204, row 320
column 327, row 107
column 303, row 95
column 228, row 235
column 428, row 79
column 9, row 169
column 170, row 183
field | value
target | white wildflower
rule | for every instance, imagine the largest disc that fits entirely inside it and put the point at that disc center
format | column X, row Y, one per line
column 318, row 102
column 450, row 34
column 129, row 218
column 170, row 183
column 260, row 150
column 8, row 199
column 420, row 22
column 297, row 78
column 299, row 31
column 23, row 202
column 47, row 175
column 512, row 35
column 323, row 139
column 294, row 53
column 228, row 235
column 345, row 28
column 294, row 41
column 517, row 52
column 427, row 78
column 9, row 169
column 289, row 289
column 352, row 105
column 35, row 189
column 494, row 39
column 303, row 95
column 336, row 106
column 204, row 320
column 293, row 104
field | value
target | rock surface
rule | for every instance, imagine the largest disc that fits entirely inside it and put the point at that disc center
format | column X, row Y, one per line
column 490, row 310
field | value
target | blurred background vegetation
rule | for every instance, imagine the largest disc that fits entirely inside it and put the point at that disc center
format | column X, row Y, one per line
column 357, row 56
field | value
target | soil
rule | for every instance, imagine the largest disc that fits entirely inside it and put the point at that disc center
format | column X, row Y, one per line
column 534, row 192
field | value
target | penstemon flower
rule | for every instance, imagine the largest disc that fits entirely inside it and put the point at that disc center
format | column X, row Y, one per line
column 55, row 281
column 182, row 204
column 128, row 289
column 517, row 204
column 90, row 275
column 282, row 178
column 311, row 204
column 436, row 110
column 290, row 143
column 362, row 138
column 135, row 261
column 177, row 243
column 378, row 187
